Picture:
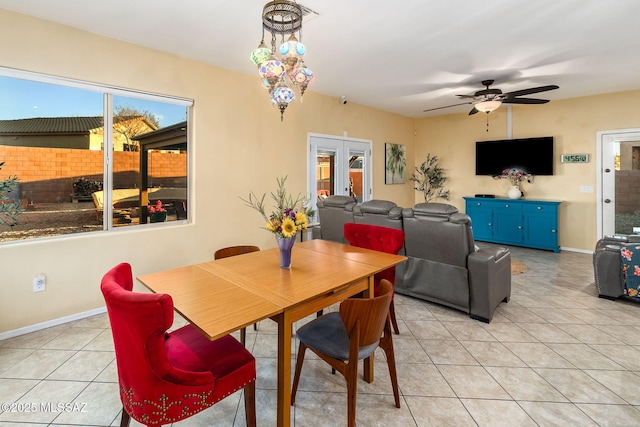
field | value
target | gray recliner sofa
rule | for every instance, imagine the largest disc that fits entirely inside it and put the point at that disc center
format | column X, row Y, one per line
column 444, row 266
column 607, row 267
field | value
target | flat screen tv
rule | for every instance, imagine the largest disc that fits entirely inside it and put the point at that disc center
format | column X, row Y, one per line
column 531, row 155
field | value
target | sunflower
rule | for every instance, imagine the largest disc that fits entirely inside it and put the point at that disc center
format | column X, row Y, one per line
column 271, row 226
column 288, row 228
column 302, row 220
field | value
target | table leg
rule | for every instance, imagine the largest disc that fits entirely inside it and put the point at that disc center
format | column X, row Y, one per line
column 368, row 362
column 284, row 369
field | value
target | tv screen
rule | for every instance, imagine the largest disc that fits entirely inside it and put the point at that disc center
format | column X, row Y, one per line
column 531, row 155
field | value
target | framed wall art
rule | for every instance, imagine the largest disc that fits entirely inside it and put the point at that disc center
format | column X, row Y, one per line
column 395, row 161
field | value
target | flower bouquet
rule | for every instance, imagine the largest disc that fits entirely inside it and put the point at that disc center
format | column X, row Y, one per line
column 514, row 176
column 288, row 217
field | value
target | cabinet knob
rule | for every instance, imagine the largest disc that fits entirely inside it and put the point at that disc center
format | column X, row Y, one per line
column 478, row 204
column 506, row 206
column 519, row 227
column 539, row 207
column 489, row 224
column 554, row 231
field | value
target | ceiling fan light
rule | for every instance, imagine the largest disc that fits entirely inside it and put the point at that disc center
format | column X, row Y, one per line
column 487, row 106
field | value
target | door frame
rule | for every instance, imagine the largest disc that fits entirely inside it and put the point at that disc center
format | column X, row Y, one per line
column 606, row 182
column 342, row 144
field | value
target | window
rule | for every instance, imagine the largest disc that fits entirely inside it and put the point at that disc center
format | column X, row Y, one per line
column 89, row 157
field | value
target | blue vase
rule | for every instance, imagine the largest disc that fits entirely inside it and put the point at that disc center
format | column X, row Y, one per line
column 285, row 244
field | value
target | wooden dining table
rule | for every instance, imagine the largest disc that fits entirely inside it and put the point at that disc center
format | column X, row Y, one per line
column 219, row 297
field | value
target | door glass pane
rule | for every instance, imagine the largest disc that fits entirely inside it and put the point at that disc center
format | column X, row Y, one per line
column 149, row 162
column 356, row 176
column 627, row 197
column 51, row 142
column 325, row 173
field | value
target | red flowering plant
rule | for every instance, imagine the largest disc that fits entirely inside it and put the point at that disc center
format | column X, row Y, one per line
column 514, row 176
column 157, row 208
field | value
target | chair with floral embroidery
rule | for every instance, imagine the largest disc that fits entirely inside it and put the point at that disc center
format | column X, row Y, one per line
column 166, row 377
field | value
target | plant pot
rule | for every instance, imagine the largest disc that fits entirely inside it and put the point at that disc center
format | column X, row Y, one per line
column 514, row 192
column 157, row 217
column 285, row 244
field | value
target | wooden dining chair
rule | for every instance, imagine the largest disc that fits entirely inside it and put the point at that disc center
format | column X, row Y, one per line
column 233, row 251
column 384, row 239
column 343, row 338
column 165, row 377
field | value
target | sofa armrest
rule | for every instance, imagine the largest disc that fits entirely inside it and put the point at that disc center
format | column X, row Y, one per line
column 489, row 281
column 315, row 232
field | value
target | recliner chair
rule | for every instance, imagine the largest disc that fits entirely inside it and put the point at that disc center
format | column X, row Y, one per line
column 378, row 212
column 607, row 266
column 443, row 265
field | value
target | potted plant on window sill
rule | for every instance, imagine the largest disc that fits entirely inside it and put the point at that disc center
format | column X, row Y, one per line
column 157, row 213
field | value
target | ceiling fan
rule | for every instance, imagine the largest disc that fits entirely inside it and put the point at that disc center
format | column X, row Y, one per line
column 488, row 99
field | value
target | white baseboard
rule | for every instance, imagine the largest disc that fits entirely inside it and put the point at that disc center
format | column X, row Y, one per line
column 50, row 323
column 584, row 251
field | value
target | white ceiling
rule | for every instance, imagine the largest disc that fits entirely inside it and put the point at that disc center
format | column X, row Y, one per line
column 400, row 56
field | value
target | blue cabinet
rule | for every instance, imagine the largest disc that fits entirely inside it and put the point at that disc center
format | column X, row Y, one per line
column 529, row 223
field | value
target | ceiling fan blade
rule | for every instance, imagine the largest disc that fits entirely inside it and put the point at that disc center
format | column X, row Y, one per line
column 447, row 106
column 530, row 91
column 524, row 101
column 473, row 111
column 466, row 96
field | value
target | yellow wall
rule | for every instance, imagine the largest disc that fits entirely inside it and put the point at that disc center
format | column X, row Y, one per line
column 239, row 145
column 573, row 123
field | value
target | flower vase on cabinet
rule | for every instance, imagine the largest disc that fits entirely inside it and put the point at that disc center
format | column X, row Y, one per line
column 514, row 192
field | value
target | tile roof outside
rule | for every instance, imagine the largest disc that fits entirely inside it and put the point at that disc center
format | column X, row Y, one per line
column 51, row 125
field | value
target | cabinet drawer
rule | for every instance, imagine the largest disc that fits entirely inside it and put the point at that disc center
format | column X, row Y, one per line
column 488, row 204
column 508, row 206
column 539, row 208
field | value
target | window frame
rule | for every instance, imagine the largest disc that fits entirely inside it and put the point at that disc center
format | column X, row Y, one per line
column 109, row 92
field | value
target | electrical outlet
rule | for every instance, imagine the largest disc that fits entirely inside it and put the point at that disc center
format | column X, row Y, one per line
column 586, row 189
column 39, row 283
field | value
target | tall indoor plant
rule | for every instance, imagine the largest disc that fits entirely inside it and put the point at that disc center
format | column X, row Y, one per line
column 430, row 179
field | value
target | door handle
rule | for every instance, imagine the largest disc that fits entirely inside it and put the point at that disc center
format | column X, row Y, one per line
column 607, row 200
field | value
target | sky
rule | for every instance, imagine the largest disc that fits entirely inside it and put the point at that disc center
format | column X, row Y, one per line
column 22, row 99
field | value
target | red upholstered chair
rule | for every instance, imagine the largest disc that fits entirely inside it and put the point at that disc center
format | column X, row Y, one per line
column 166, row 377
column 383, row 239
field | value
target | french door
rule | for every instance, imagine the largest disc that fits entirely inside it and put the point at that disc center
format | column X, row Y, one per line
column 619, row 170
column 339, row 166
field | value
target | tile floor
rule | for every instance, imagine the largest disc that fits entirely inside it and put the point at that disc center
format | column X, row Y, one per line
column 555, row 355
